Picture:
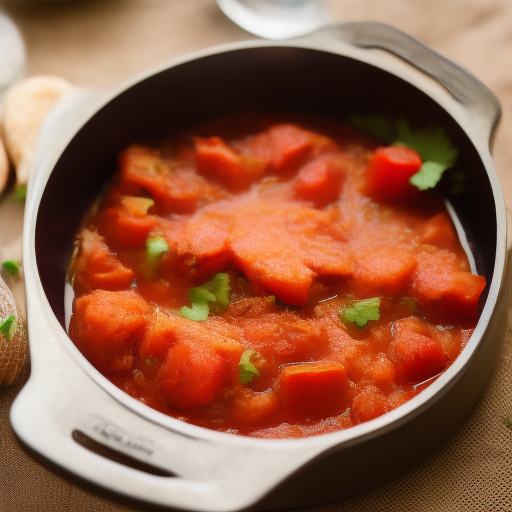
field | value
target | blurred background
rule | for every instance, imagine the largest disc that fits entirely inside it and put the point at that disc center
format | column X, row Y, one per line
column 96, row 44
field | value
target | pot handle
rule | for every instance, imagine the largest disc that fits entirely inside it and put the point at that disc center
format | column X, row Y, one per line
column 477, row 100
column 79, row 426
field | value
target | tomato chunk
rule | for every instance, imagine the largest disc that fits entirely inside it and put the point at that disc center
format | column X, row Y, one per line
column 191, row 376
column 389, row 171
column 176, row 189
column 124, row 230
column 251, row 409
column 417, row 355
column 159, row 336
column 285, row 337
column 319, row 181
column 368, row 405
column 214, row 158
column 285, row 146
column 106, row 325
column 384, row 270
column 443, row 290
column 203, row 361
column 97, row 267
column 313, row 390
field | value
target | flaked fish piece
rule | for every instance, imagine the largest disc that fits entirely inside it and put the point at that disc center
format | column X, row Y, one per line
column 13, row 340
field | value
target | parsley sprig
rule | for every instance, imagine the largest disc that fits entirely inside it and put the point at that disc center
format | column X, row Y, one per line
column 361, row 311
column 214, row 293
column 432, row 144
column 8, row 327
column 12, row 267
column 156, row 246
column 247, row 369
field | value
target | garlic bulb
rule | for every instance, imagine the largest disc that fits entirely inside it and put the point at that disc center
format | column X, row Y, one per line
column 13, row 343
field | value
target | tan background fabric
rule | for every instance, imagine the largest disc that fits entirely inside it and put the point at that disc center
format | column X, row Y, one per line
column 97, row 43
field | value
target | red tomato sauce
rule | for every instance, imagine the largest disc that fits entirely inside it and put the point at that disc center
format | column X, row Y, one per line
column 292, row 215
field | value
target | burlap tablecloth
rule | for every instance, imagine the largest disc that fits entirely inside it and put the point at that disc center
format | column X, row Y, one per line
column 97, row 43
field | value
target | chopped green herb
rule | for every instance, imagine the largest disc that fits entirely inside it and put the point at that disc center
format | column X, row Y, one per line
column 197, row 312
column 247, row 369
column 11, row 266
column 213, row 293
column 377, row 126
column 20, row 192
column 433, row 145
column 508, row 421
column 361, row 311
column 8, row 327
column 156, row 246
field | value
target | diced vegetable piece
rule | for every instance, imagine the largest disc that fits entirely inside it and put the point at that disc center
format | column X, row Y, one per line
column 385, row 270
column 105, row 327
column 263, row 253
column 326, row 256
column 124, row 230
column 285, row 337
column 443, row 290
column 215, row 159
column 159, row 336
column 313, row 390
column 284, row 146
column 439, row 231
column 11, row 266
column 269, row 264
column 191, row 375
column 416, row 354
column 175, row 189
column 206, row 241
column 203, row 362
column 368, row 405
column 251, row 409
column 319, row 181
column 96, row 267
column 432, row 144
column 382, row 372
column 137, row 206
column 389, row 172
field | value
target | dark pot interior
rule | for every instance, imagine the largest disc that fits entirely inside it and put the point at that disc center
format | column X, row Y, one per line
column 267, row 78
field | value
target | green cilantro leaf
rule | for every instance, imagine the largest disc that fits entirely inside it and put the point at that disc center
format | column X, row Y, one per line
column 428, row 176
column 361, row 311
column 8, row 327
column 156, row 246
column 11, row 266
column 213, row 293
column 20, row 193
column 377, row 126
column 197, row 312
column 433, row 145
column 247, row 369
